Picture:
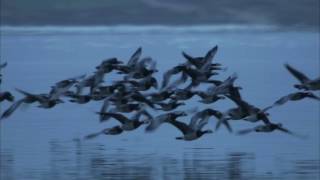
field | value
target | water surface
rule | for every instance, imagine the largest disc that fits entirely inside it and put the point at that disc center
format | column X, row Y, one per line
column 43, row 144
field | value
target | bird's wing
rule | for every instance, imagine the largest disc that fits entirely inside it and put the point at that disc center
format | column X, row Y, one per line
column 219, row 117
column 177, row 82
column 105, row 106
column 228, row 126
column 39, row 98
column 290, row 132
column 267, row 108
column 201, row 123
column 196, row 61
column 222, row 120
column 11, row 109
column 297, row 74
column 244, row 106
column 121, row 118
column 156, row 122
column 195, row 118
column 147, row 114
column 283, row 99
column 167, row 75
column 245, row 131
column 94, row 135
column 148, row 61
column 135, row 57
column 266, row 120
column 209, row 57
column 313, row 96
column 140, row 98
column 184, row 128
column 189, row 58
column 3, row 65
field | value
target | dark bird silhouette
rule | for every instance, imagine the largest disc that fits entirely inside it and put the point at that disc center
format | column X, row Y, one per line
column 129, row 124
column 171, row 105
column 6, row 96
column 109, row 65
column 205, row 114
column 43, row 99
column 108, row 131
column 160, row 96
column 3, row 65
column 191, row 131
column 143, row 84
column 80, row 99
column 183, row 94
column 62, row 87
column 244, row 111
column 267, row 128
column 294, row 97
column 158, row 120
column 173, row 71
column 136, row 67
column 198, row 62
column 305, row 82
column 208, row 98
column 92, row 82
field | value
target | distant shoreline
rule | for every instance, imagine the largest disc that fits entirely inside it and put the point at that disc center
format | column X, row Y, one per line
column 118, row 29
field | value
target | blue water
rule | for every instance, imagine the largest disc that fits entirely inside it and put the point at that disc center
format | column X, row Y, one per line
column 40, row 144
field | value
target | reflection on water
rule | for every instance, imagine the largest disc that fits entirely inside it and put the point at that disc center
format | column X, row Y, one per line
column 81, row 160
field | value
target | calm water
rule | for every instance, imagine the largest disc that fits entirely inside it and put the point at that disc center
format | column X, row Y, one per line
column 44, row 144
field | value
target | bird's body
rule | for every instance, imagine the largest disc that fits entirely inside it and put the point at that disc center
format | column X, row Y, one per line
column 6, row 96
column 305, row 82
column 171, row 105
column 295, row 97
column 190, row 132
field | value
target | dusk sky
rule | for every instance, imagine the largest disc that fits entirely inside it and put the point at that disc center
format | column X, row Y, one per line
column 286, row 14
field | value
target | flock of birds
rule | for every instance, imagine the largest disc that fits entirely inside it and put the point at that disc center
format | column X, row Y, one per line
column 137, row 92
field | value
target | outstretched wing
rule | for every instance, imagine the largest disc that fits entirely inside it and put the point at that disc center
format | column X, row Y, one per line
column 245, row 131
column 105, row 105
column 39, row 98
column 94, row 135
column 209, row 57
column 195, row 118
column 282, row 129
column 11, row 109
column 121, row 118
column 140, row 113
column 135, row 57
column 313, row 96
column 297, row 74
column 3, row 65
column 156, row 122
column 196, row 61
column 184, row 128
column 167, row 75
column 283, row 100
column 148, row 61
column 201, row 123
